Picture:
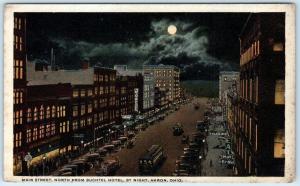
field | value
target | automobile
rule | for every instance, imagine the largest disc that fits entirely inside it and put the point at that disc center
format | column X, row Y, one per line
column 131, row 135
column 83, row 165
column 180, row 172
column 67, row 174
column 108, row 167
column 102, row 152
column 65, row 170
column 185, row 139
column 123, row 139
column 91, row 158
column 130, row 143
column 74, row 168
column 116, row 143
column 177, row 131
column 109, row 148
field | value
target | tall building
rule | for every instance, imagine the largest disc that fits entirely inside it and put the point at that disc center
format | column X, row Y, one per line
column 144, row 89
column 19, row 93
column 166, row 78
column 259, row 115
column 226, row 80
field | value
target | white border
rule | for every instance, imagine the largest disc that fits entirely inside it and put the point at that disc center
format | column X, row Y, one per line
column 290, row 127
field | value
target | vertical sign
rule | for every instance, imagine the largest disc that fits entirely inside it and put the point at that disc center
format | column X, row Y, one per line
column 136, row 99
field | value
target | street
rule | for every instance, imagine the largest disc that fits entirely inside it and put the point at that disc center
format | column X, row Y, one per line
column 161, row 133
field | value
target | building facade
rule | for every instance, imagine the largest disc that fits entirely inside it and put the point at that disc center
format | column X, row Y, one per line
column 226, row 80
column 166, row 78
column 258, row 119
column 19, row 93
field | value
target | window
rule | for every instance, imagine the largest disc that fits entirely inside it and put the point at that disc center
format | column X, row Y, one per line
column 34, row 134
column 100, row 78
column 89, row 121
column 95, row 104
column 278, row 47
column 75, row 110
column 42, row 112
column 21, row 43
column 82, row 109
column 90, row 108
column 82, row 93
column 96, row 90
column 18, row 117
column 19, row 23
column 100, row 90
column 90, row 92
column 18, row 69
column 75, row 125
column 18, row 139
column 48, row 112
column 62, row 127
column 42, row 131
column 75, row 93
column 279, row 92
column 35, row 114
column 53, row 111
column 279, row 144
column 28, row 135
column 52, row 128
column 48, row 128
column 95, row 118
column 82, row 123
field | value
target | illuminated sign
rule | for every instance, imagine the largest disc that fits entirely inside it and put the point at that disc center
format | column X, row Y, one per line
column 136, row 99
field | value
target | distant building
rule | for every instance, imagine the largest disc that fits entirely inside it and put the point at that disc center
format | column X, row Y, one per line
column 145, row 87
column 166, row 78
column 259, row 122
column 226, row 80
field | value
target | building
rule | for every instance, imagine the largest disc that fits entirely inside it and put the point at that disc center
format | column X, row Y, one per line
column 166, row 78
column 226, row 80
column 259, row 116
column 106, row 100
column 161, row 98
column 144, row 89
column 19, row 93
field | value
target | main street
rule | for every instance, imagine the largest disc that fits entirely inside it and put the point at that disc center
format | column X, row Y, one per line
column 161, row 133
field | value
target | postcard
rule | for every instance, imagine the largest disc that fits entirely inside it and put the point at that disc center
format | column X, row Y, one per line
column 162, row 93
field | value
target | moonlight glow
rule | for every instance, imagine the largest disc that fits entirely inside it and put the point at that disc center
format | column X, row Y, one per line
column 172, row 29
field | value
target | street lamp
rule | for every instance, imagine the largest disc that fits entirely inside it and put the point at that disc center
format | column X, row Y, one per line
column 200, row 159
column 44, row 159
column 81, row 146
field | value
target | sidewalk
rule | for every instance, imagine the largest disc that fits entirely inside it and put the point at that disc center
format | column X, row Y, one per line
column 213, row 154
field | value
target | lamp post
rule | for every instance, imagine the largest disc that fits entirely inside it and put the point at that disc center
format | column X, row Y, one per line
column 44, row 159
column 200, row 162
column 109, row 135
column 81, row 146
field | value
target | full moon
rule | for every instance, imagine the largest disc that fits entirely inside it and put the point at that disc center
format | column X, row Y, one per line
column 172, row 29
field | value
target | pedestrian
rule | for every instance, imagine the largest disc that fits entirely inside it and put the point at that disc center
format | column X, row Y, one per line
column 210, row 163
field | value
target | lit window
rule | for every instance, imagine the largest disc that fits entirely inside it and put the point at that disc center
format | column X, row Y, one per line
column 42, row 112
column 82, row 109
column 29, row 115
column 53, row 111
column 75, row 125
column 82, row 93
column 18, row 140
column 48, row 128
column 35, row 114
column 48, row 112
column 75, row 110
column 52, row 128
column 28, row 135
column 42, row 131
column 279, row 92
column 278, row 47
column 75, row 93
column 34, row 134
column 279, row 144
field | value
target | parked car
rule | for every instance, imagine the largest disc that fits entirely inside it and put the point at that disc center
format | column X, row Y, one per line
column 108, row 167
column 109, row 148
column 185, row 139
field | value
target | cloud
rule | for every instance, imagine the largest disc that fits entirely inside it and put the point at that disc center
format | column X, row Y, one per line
column 189, row 44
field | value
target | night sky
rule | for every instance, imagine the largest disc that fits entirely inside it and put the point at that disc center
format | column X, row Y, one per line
column 203, row 41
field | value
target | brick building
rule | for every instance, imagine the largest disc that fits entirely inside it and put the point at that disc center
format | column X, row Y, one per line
column 258, row 116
